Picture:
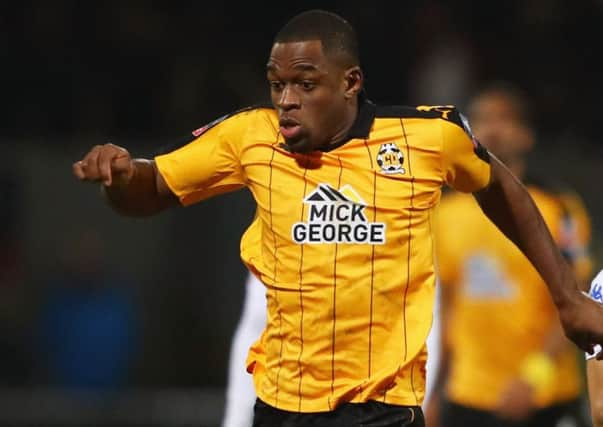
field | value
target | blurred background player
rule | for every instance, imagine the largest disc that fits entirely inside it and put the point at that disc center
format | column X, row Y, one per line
column 532, row 376
column 87, row 326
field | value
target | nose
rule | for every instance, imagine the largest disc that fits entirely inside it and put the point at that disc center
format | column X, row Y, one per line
column 288, row 99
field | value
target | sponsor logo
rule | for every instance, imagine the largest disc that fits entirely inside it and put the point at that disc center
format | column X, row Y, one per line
column 337, row 216
column 484, row 278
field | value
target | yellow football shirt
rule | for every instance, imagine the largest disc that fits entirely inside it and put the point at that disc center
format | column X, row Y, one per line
column 342, row 241
column 576, row 234
column 501, row 310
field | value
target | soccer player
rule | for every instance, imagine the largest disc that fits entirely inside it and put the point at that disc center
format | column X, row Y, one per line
column 345, row 191
column 505, row 360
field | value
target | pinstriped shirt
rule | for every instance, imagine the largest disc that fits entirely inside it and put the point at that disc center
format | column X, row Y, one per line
column 342, row 240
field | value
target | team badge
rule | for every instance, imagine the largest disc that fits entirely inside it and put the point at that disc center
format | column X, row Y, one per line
column 390, row 159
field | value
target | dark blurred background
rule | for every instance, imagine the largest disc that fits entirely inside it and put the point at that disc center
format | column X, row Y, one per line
column 93, row 301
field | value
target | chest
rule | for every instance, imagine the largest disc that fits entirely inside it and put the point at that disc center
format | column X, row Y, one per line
column 383, row 174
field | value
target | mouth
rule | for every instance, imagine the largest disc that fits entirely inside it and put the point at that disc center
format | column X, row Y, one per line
column 289, row 128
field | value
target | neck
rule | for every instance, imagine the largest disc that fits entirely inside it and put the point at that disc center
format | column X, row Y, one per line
column 347, row 121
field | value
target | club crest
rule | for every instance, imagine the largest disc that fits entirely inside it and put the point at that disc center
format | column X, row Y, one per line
column 390, row 159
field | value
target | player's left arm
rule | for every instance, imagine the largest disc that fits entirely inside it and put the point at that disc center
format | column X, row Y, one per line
column 509, row 206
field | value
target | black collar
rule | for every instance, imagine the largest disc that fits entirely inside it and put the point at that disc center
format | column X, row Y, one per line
column 362, row 124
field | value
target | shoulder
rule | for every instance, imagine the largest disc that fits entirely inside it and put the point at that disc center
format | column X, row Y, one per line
column 242, row 118
column 243, row 115
column 448, row 113
column 452, row 124
column 566, row 196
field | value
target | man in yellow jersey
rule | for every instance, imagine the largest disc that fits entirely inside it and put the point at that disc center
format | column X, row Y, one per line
column 504, row 359
column 345, row 192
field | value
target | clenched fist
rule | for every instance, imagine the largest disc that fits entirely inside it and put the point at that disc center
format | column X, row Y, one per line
column 109, row 164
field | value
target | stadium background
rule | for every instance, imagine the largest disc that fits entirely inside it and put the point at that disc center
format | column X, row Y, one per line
column 143, row 74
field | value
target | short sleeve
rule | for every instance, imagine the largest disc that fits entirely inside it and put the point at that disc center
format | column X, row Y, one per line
column 596, row 294
column 466, row 164
column 210, row 164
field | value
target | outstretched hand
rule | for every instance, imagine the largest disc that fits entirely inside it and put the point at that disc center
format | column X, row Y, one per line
column 582, row 321
column 108, row 163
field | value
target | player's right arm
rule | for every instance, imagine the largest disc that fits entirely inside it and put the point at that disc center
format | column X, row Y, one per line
column 132, row 187
column 208, row 165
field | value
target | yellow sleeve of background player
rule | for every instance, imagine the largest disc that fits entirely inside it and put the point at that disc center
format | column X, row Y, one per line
column 576, row 234
column 210, row 164
column 466, row 164
column 447, row 257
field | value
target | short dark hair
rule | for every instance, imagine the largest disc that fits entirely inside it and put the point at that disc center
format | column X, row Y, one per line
column 337, row 36
column 512, row 93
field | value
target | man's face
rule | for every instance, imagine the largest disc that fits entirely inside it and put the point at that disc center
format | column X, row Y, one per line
column 497, row 125
column 308, row 90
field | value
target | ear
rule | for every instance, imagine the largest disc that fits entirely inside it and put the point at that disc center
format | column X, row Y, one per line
column 354, row 80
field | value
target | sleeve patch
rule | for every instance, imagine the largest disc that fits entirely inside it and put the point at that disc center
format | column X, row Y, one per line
column 453, row 115
column 189, row 137
column 198, row 132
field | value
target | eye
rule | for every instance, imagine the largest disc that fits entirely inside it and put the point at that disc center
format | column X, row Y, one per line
column 276, row 85
column 307, row 85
